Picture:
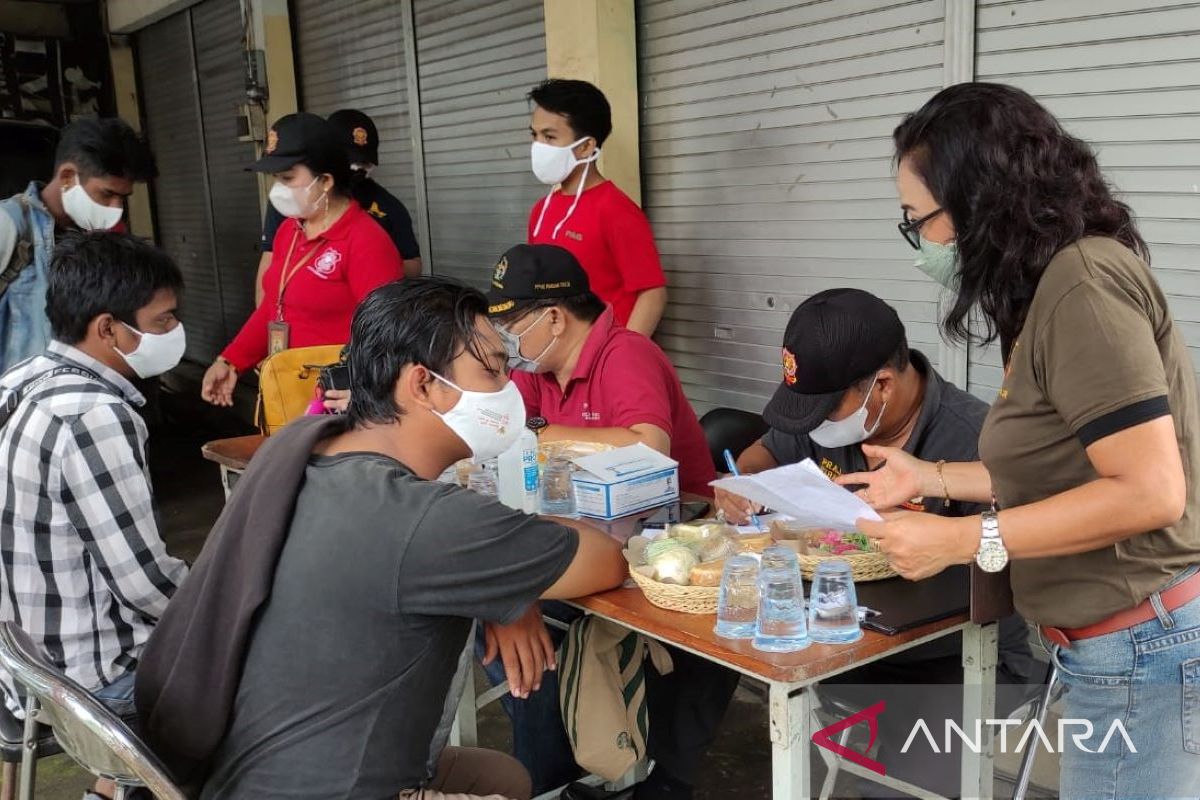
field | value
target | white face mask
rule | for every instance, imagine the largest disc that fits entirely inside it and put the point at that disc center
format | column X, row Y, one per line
column 488, row 422
column 365, row 169
column 156, row 353
column 848, row 431
column 86, row 212
column 512, row 344
column 292, row 201
column 553, row 165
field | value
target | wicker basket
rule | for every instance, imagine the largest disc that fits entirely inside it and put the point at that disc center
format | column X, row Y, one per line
column 688, row 599
column 864, row 567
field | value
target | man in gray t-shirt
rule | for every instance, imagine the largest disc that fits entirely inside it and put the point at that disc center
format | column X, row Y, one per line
column 383, row 569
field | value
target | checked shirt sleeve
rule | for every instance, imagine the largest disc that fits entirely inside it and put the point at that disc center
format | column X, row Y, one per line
column 107, row 493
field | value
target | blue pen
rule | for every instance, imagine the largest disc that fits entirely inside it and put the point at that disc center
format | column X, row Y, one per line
column 729, row 462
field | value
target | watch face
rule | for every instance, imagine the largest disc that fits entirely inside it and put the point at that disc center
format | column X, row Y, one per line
column 992, row 556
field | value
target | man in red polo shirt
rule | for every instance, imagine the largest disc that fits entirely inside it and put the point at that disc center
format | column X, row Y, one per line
column 587, row 214
column 583, row 376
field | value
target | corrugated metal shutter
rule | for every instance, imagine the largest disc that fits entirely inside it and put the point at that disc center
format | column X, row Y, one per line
column 1125, row 76
column 354, row 58
column 233, row 192
column 766, row 143
column 182, row 215
column 477, row 60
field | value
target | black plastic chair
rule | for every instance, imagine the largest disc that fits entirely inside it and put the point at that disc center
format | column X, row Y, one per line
column 730, row 429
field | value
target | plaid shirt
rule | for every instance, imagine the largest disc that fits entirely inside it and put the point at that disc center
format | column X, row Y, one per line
column 85, row 571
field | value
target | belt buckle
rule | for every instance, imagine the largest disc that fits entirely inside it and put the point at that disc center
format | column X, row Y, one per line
column 1057, row 636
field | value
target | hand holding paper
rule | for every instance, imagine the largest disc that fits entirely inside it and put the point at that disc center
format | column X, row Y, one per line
column 804, row 493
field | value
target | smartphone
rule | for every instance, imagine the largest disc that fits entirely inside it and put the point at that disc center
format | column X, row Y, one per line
column 334, row 376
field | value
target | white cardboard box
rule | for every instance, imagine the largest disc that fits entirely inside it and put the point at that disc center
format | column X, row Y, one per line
column 624, row 481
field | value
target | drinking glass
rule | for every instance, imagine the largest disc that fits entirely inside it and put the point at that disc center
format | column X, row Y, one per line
column 558, row 493
column 833, row 604
column 737, row 604
column 482, row 480
column 778, row 556
column 780, row 626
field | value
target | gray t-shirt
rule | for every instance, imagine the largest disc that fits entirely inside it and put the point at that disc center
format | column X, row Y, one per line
column 349, row 664
column 947, row 428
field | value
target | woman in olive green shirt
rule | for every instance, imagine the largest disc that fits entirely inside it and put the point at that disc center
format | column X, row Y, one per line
column 1090, row 451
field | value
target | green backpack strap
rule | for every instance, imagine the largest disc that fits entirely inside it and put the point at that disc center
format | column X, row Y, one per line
column 22, row 255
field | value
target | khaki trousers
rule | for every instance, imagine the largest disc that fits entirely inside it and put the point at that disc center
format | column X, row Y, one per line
column 471, row 773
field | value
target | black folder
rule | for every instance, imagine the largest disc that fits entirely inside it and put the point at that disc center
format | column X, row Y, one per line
column 904, row 604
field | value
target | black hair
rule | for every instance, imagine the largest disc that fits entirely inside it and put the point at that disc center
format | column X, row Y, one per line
column 102, row 272
column 585, row 307
column 427, row 321
column 900, row 360
column 1018, row 189
column 108, row 146
column 585, row 107
column 335, row 164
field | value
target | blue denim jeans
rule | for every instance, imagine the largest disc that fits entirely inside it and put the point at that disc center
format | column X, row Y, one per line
column 1147, row 678
column 118, row 697
column 540, row 741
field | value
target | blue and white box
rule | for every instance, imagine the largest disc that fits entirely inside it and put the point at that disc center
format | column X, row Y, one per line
column 624, row 481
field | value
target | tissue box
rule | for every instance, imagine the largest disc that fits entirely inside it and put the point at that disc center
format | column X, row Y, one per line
column 624, row 481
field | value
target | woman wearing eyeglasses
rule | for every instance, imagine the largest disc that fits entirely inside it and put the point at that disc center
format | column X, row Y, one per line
column 1090, row 452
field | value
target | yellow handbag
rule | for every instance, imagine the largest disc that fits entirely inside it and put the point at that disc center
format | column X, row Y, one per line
column 287, row 384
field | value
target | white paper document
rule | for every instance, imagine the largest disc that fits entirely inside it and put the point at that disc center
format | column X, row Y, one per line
column 802, row 491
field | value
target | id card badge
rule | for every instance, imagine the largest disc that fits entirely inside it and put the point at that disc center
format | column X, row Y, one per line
column 277, row 336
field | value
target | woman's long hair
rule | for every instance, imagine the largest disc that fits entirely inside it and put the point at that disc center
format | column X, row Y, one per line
column 1018, row 189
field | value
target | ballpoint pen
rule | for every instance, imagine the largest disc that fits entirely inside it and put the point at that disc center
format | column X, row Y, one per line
column 729, row 462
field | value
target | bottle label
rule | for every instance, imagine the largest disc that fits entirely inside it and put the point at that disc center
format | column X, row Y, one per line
column 529, row 463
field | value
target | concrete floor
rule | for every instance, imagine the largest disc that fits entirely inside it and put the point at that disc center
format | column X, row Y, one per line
column 190, row 499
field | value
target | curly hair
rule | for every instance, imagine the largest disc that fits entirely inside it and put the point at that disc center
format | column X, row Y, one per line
column 1018, row 189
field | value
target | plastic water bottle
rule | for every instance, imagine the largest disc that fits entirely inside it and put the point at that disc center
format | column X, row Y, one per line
column 518, row 474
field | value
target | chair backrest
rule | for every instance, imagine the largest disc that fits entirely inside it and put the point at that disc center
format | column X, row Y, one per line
column 732, row 429
column 86, row 730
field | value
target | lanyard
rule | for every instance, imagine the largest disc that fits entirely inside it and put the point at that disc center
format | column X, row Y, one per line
column 290, row 271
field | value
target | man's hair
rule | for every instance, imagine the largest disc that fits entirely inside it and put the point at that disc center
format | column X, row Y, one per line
column 585, row 107
column 586, row 307
column 101, row 147
column 99, row 272
column 900, row 361
column 427, row 321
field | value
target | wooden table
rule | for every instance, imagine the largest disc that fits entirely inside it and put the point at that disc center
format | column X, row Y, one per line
column 791, row 677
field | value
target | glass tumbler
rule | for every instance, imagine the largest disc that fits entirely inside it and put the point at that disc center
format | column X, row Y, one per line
column 780, row 626
column 482, row 480
column 833, row 604
column 737, row 603
column 778, row 556
column 558, row 493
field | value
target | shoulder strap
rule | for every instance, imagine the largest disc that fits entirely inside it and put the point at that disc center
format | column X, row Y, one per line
column 14, row 398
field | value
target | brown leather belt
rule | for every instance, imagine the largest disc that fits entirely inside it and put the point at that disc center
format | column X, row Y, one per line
column 1178, row 595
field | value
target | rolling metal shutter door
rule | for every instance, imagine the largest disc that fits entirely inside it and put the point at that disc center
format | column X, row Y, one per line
column 477, row 60
column 182, row 215
column 766, row 144
column 358, row 62
column 1125, row 76
column 232, row 191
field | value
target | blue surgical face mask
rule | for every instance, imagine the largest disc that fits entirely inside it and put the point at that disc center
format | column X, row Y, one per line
column 938, row 261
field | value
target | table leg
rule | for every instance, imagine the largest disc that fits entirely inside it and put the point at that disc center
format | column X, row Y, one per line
column 979, row 705
column 791, row 709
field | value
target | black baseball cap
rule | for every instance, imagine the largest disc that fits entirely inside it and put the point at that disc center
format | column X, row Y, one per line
column 833, row 340
column 359, row 136
column 527, row 273
column 301, row 137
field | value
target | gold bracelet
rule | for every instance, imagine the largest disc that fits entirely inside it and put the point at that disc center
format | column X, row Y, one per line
column 942, row 481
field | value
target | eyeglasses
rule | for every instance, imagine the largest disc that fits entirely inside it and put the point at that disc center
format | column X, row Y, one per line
column 910, row 229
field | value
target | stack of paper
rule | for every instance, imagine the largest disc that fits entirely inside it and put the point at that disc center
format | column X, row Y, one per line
column 802, row 491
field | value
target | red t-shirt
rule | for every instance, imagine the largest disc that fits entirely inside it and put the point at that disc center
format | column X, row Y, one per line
column 623, row 379
column 612, row 239
column 344, row 264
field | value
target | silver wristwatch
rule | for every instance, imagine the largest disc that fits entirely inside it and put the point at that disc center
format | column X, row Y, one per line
column 992, row 555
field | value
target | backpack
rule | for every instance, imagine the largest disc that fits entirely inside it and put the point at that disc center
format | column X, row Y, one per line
column 22, row 255
column 287, row 383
